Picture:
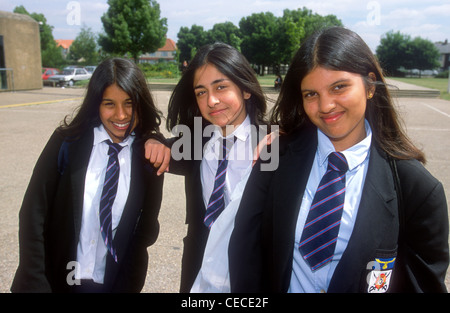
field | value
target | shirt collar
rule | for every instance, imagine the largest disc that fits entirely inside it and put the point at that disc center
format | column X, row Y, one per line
column 101, row 135
column 241, row 132
column 355, row 155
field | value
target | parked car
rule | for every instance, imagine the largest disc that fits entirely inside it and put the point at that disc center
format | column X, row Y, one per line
column 47, row 72
column 69, row 76
column 90, row 68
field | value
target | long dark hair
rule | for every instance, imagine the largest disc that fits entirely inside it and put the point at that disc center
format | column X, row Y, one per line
column 340, row 49
column 131, row 80
column 183, row 105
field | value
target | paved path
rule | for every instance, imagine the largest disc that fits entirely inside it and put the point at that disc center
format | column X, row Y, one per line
column 27, row 119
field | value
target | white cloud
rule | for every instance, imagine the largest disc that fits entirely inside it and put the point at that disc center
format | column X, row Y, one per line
column 188, row 13
column 438, row 10
column 403, row 14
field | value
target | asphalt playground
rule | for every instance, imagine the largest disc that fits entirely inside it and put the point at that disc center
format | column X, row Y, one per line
column 28, row 118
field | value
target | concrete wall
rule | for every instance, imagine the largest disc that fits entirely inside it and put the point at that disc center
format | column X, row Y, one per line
column 22, row 50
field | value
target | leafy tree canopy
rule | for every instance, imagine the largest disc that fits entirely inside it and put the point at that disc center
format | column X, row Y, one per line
column 84, row 47
column 50, row 54
column 133, row 26
column 397, row 50
column 262, row 37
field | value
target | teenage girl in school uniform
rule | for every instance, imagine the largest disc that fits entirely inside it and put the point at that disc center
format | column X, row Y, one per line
column 80, row 232
column 385, row 229
column 218, row 88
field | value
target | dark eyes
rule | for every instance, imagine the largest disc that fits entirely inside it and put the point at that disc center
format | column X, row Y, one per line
column 334, row 89
column 309, row 95
column 128, row 104
column 340, row 87
column 202, row 92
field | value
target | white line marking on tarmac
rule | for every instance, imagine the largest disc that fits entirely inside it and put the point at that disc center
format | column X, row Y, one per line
column 433, row 108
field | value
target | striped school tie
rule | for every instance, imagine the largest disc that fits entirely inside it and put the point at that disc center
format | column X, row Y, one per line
column 216, row 202
column 109, row 195
column 321, row 228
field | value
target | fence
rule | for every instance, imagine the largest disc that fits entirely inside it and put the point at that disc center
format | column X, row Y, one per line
column 271, row 70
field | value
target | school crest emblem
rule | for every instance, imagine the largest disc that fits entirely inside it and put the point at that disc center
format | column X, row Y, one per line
column 380, row 277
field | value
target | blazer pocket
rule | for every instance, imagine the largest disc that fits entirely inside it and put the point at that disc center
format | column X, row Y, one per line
column 380, row 271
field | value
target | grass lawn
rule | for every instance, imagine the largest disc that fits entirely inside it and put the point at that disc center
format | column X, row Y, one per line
column 163, row 80
column 266, row 80
column 440, row 84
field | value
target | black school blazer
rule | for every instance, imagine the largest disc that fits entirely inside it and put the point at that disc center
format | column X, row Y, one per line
column 50, row 221
column 197, row 233
column 270, row 216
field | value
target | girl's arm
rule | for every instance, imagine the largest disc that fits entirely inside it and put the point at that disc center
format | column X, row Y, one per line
column 425, row 244
column 158, row 155
column 31, row 273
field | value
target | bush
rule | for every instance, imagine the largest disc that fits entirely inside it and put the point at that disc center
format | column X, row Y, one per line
column 160, row 70
column 443, row 74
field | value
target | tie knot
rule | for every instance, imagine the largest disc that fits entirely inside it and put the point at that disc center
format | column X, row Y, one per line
column 227, row 143
column 337, row 162
column 114, row 148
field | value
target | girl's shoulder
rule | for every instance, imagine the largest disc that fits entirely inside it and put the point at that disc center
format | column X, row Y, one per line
column 412, row 167
column 415, row 178
column 298, row 139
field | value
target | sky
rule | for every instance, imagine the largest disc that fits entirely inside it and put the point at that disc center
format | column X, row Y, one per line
column 371, row 19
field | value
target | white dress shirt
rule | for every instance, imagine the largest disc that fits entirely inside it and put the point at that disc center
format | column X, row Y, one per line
column 302, row 278
column 91, row 249
column 214, row 273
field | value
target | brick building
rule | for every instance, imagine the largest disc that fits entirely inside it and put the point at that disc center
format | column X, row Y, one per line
column 167, row 53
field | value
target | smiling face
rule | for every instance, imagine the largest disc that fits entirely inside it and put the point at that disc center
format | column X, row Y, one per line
column 335, row 101
column 116, row 111
column 220, row 101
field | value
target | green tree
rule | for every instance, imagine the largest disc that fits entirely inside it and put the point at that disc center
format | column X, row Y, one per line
column 190, row 40
column 290, row 33
column 134, row 27
column 314, row 21
column 263, row 38
column 225, row 32
column 422, row 54
column 392, row 51
column 296, row 25
column 268, row 40
column 84, row 47
column 398, row 51
column 51, row 55
column 258, row 39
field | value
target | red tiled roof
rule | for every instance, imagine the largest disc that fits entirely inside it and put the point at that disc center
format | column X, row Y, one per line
column 169, row 46
column 65, row 43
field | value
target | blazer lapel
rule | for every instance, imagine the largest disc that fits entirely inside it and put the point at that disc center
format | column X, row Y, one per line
column 131, row 212
column 79, row 154
column 134, row 201
column 375, row 223
column 196, row 181
column 288, row 193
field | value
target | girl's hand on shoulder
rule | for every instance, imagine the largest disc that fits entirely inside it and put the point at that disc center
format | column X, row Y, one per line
column 158, row 155
column 266, row 141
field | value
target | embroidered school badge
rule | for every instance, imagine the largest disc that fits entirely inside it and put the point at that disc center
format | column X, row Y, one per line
column 380, row 276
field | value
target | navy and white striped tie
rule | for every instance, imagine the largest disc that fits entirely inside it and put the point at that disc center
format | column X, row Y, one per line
column 109, row 195
column 321, row 228
column 216, row 202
